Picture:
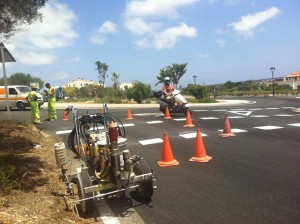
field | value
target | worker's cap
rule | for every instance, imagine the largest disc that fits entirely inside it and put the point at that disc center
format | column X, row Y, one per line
column 33, row 86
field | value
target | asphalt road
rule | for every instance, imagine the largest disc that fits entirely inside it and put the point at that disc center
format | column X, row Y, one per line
column 252, row 177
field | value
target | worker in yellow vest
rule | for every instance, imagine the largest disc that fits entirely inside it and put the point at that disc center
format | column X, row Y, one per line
column 34, row 105
column 50, row 92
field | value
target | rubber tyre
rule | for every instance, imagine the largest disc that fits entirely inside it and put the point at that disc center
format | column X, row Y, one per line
column 20, row 106
column 145, row 189
column 83, row 180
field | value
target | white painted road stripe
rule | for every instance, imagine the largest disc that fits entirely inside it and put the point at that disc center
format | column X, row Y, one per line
column 154, row 122
column 259, row 116
column 268, row 127
column 128, row 125
column 191, row 135
column 200, row 110
column 296, row 124
column 63, row 132
column 180, row 119
column 235, row 117
column 208, row 118
column 151, row 141
column 235, row 130
column 283, row 115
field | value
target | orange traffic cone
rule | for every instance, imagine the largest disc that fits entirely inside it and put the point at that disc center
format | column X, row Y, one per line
column 65, row 117
column 167, row 155
column 188, row 123
column 199, row 152
column 227, row 130
column 129, row 117
column 167, row 115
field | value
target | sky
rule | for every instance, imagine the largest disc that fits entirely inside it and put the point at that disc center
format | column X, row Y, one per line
column 220, row 40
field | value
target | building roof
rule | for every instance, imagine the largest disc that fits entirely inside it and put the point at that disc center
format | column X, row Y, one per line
column 294, row 74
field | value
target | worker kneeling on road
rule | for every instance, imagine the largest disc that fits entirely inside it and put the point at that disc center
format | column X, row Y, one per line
column 32, row 99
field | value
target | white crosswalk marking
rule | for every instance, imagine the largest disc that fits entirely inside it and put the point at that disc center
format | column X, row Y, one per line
column 268, row 127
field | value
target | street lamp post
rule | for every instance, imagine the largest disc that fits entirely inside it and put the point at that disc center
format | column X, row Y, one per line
column 194, row 77
column 272, row 69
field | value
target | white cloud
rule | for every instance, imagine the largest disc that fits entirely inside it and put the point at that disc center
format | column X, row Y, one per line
column 36, row 43
column 33, row 58
column 169, row 37
column 145, row 20
column 73, row 60
column 99, row 36
column 150, row 8
column 221, row 43
column 138, row 26
column 206, row 55
column 60, row 76
column 249, row 22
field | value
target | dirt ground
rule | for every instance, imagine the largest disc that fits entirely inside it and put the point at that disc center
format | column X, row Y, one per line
column 41, row 196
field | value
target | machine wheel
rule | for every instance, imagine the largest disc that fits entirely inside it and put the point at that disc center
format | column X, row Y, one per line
column 83, row 180
column 145, row 190
column 20, row 106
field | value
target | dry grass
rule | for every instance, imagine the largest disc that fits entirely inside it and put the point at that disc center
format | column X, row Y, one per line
column 39, row 195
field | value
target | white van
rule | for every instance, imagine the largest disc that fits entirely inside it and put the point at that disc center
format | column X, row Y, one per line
column 17, row 97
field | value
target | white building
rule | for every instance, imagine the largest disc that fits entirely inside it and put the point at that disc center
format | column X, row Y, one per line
column 125, row 86
column 80, row 82
column 292, row 80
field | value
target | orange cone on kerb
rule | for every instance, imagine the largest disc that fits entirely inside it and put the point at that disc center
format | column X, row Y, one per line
column 199, row 152
column 227, row 129
column 167, row 155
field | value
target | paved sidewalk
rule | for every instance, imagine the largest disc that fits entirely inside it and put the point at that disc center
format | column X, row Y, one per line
column 91, row 105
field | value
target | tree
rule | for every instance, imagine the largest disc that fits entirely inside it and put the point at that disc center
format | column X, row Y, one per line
column 175, row 72
column 14, row 13
column 139, row 92
column 102, row 69
column 115, row 80
column 22, row 79
column 198, row 91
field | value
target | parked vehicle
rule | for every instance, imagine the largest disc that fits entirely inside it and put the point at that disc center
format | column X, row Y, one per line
column 181, row 104
column 17, row 97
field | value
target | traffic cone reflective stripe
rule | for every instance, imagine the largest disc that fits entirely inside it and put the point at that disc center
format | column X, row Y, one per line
column 65, row 117
column 167, row 155
column 188, row 122
column 227, row 130
column 129, row 117
column 199, row 152
column 167, row 116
